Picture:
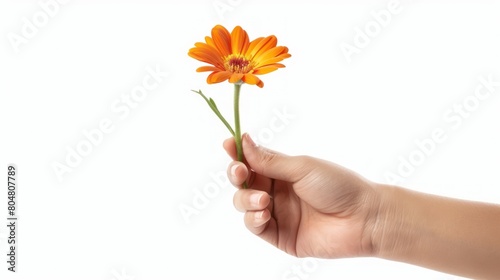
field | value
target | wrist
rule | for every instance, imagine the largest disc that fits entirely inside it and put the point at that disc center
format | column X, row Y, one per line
column 394, row 225
column 444, row 234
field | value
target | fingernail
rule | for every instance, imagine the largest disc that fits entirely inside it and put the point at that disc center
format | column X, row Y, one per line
column 250, row 140
column 255, row 199
column 259, row 215
column 233, row 170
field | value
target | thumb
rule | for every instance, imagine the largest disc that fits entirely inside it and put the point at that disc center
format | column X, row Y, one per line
column 272, row 164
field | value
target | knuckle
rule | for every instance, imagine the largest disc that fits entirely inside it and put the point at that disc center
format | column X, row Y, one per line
column 267, row 158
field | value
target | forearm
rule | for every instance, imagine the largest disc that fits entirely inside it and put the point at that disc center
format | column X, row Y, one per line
column 449, row 235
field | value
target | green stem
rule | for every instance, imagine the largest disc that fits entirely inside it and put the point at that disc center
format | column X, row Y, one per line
column 237, row 127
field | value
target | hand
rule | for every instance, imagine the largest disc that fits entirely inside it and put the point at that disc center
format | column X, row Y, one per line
column 308, row 207
column 304, row 206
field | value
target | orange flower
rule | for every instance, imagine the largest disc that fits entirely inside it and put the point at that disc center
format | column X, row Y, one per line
column 235, row 58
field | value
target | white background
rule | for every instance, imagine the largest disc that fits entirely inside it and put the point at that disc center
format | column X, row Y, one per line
column 117, row 215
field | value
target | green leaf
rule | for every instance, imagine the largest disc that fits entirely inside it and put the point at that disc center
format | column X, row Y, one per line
column 213, row 106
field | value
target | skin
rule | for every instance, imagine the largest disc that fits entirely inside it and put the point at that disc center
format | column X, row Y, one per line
column 309, row 207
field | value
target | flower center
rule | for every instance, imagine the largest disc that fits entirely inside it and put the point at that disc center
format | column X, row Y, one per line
column 237, row 63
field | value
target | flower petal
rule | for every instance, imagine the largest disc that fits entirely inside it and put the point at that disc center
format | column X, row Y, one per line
column 206, row 56
column 252, row 46
column 265, row 70
column 207, row 68
column 273, row 60
column 209, row 49
column 239, row 40
column 264, row 45
column 210, row 41
column 251, row 79
column 217, row 77
column 222, row 39
column 271, row 53
column 236, row 77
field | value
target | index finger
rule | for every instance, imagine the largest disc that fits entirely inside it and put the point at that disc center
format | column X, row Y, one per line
column 230, row 147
